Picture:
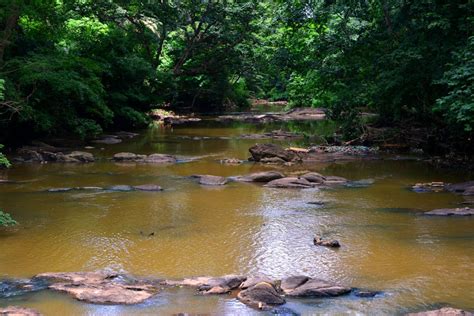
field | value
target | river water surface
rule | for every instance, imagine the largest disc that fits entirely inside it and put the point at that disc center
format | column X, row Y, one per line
column 417, row 262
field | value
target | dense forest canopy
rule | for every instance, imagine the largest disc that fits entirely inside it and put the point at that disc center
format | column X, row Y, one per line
column 82, row 66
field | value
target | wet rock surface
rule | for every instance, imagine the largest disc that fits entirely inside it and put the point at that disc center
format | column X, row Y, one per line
column 264, row 177
column 466, row 211
column 126, row 157
column 272, row 153
column 291, row 183
column 446, row 311
column 301, row 286
column 464, row 188
column 41, row 155
column 210, row 285
column 10, row 287
column 210, row 180
column 99, row 287
column 318, row 241
column 18, row 311
column 262, row 296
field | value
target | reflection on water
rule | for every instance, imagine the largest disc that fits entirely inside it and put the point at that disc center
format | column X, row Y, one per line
column 190, row 230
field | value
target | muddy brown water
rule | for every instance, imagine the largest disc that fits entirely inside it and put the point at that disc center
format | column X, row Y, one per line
column 417, row 262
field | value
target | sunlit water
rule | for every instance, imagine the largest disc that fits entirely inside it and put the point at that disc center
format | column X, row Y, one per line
column 417, row 262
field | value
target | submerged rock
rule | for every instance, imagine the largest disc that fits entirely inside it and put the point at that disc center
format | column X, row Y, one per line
column 109, row 140
column 326, row 243
column 290, row 183
column 446, row 311
column 262, row 295
column 120, row 188
column 265, row 176
column 18, row 311
column 210, row 180
column 148, row 187
column 467, row 211
column 99, row 287
column 211, row 285
column 366, row 293
column 301, row 286
column 9, row 288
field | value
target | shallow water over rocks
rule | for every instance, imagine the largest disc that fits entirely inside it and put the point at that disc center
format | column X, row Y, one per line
column 418, row 262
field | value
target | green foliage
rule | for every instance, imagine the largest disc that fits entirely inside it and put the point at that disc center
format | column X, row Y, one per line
column 6, row 220
column 4, row 163
column 458, row 105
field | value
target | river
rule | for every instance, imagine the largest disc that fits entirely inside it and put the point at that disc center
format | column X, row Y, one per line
column 417, row 262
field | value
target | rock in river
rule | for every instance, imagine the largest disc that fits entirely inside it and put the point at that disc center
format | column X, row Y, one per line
column 265, row 151
column 467, row 211
column 148, row 187
column 153, row 158
column 211, row 285
column 265, row 176
column 262, row 295
column 99, row 287
column 302, row 286
column 210, row 180
column 18, row 311
column 446, row 311
column 326, row 243
column 290, row 183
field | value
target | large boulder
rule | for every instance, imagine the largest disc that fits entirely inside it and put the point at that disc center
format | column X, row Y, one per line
column 262, row 295
column 467, row 211
column 211, row 285
column 99, row 287
column 265, row 176
column 301, row 286
column 269, row 151
column 18, row 311
column 446, row 311
column 290, row 183
column 210, row 180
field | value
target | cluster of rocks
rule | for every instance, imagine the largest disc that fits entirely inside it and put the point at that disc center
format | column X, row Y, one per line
column 42, row 155
column 170, row 118
column 274, row 179
column 114, row 188
column 297, row 114
column 272, row 153
column 464, row 188
column 110, row 288
column 261, row 292
column 126, row 157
